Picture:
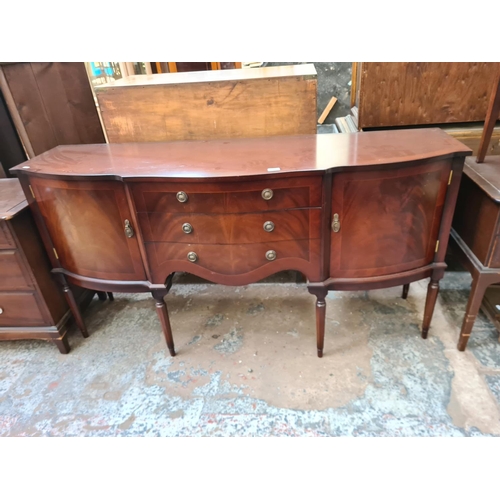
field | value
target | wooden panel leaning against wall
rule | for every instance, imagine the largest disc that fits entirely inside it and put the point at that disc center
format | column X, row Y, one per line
column 402, row 94
column 51, row 104
column 203, row 105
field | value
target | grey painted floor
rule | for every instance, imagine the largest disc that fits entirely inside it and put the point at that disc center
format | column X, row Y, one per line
column 247, row 366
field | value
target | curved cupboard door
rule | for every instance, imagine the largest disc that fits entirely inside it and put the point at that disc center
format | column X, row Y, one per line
column 386, row 220
column 86, row 222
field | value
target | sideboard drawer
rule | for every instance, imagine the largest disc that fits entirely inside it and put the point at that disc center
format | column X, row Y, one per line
column 19, row 309
column 11, row 272
column 301, row 224
column 228, row 197
column 226, row 259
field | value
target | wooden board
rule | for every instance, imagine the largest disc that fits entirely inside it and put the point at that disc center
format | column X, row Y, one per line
column 205, row 105
column 55, row 104
column 12, row 199
column 399, row 94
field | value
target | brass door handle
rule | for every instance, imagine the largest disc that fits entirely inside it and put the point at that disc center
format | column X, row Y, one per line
column 336, row 223
column 129, row 232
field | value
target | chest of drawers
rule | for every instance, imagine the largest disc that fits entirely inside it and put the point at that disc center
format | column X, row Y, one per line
column 353, row 211
column 32, row 305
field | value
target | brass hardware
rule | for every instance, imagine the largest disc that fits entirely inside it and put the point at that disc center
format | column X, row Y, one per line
column 1, row 310
column 451, row 175
column 129, row 232
column 336, row 223
column 437, row 246
column 267, row 194
column 55, row 253
column 32, row 193
column 268, row 226
column 192, row 257
column 270, row 255
column 187, row 228
column 182, row 196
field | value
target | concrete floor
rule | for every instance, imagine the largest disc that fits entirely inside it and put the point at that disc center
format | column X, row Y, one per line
column 247, row 366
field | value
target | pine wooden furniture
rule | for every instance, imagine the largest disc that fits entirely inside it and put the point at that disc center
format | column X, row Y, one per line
column 202, row 105
column 32, row 304
column 349, row 211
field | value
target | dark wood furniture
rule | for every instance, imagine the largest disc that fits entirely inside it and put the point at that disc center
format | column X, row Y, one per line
column 476, row 224
column 349, row 211
column 32, row 304
column 50, row 104
column 203, row 105
column 421, row 93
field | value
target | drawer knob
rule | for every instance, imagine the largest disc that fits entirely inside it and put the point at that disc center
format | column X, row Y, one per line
column 129, row 232
column 267, row 194
column 192, row 257
column 1, row 310
column 268, row 226
column 187, row 228
column 270, row 255
column 182, row 196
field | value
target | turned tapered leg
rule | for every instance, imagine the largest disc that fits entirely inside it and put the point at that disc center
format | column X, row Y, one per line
column 320, row 294
column 406, row 289
column 110, row 296
column 161, row 309
column 62, row 344
column 430, row 302
column 475, row 298
column 70, row 299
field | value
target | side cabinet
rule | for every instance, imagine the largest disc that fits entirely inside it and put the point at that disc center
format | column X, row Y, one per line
column 90, row 227
column 386, row 220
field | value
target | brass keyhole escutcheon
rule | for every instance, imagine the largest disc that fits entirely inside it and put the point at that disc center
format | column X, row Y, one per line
column 268, row 226
column 129, row 232
column 182, row 196
column 267, row 194
column 336, row 223
column 270, row 255
column 187, row 228
column 192, row 257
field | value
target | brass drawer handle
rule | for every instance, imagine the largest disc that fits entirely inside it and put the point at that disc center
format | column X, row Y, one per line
column 336, row 223
column 129, row 232
column 268, row 226
column 187, row 228
column 267, row 194
column 270, row 255
column 192, row 257
column 182, row 196
column 1, row 310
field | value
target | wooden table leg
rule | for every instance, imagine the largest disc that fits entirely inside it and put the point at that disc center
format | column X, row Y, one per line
column 406, row 289
column 161, row 309
column 477, row 291
column 75, row 310
column 102, row 295
column 111, row 296
column 320, row 294
column 430, row 302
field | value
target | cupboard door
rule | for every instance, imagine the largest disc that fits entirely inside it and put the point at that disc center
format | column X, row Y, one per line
column 386, row 220
column 86, row 223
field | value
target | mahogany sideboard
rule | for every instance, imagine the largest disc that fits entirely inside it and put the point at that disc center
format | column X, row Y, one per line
column 349, row 211
column 32, row 305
